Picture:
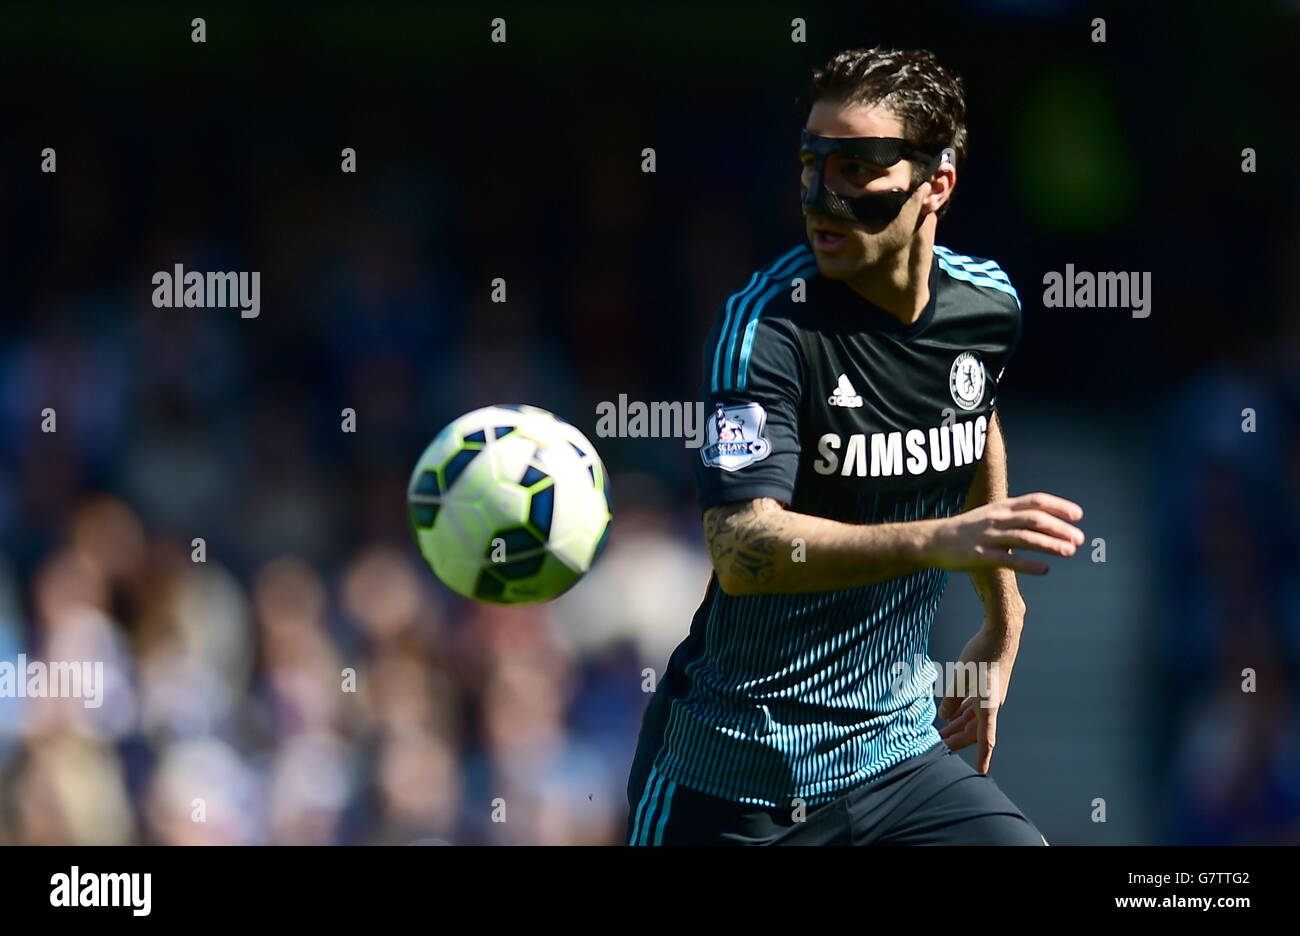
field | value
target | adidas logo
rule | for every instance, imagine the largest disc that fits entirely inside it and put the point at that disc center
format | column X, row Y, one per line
column 844, row 394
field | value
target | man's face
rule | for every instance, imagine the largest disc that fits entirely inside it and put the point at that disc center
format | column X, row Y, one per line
column 844, row 247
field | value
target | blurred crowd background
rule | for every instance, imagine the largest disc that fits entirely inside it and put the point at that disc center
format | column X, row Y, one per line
column 225, row 680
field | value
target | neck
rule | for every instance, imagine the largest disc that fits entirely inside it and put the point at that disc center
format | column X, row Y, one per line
column 899, row 283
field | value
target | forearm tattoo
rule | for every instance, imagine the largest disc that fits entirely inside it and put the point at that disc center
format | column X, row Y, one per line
column 743, row 539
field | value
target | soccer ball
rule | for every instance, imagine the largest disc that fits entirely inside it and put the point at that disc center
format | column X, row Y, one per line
column 509, row 504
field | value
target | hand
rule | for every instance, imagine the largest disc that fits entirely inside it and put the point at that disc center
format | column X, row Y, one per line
column 972, row 716
column 984, row 538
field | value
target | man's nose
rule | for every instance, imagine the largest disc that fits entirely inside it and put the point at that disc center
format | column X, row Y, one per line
column 812, row 192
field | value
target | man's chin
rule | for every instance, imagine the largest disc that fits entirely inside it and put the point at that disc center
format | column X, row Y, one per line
column 836, row 267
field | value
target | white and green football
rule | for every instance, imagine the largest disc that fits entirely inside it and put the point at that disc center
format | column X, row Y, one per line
column 509, row 504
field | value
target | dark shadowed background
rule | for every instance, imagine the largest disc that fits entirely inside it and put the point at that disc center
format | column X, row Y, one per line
column 522, row 160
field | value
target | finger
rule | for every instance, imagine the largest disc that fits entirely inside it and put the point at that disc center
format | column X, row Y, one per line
column 953, row 705
column 985, row 731
column 958, row 723
column 961, row 705
column 957, row 726
column 957, row 738
column 962, row 739
column 1044, row 522
column 1040, row 542
column 1041, row 500
column 954, row 729
column 994, row 558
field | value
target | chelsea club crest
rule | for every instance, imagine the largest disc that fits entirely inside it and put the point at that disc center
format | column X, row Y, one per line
column 966, row 381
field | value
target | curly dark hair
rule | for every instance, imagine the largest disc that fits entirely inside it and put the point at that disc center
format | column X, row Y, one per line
column 910, row 84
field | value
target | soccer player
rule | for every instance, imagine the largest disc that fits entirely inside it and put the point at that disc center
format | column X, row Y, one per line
column 853, row 459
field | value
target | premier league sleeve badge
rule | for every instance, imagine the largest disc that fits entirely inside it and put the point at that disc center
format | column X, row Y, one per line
column 733, row 437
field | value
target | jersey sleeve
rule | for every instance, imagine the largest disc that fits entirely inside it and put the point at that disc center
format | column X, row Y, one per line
column 1016, row 319
column 753, row 379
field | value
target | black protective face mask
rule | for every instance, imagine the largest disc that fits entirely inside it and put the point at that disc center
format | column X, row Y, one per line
column 875, row 209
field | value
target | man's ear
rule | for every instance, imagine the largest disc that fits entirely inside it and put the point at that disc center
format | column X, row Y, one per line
column 950, row 188
column 926, row 209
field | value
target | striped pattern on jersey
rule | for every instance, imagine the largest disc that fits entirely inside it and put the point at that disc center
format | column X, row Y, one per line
column 745, row 308
column 652, row 810
column 801, row 695
column 979, row 272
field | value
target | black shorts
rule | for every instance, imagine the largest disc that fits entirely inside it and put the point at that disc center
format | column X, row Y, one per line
column 934, row 798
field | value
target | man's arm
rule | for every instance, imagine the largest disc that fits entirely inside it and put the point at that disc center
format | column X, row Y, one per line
column 972, row 715
column 753, row 545
column 760, row 547
column 997, row 588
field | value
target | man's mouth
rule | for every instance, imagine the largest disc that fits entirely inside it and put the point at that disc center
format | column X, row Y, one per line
column 827, row 238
